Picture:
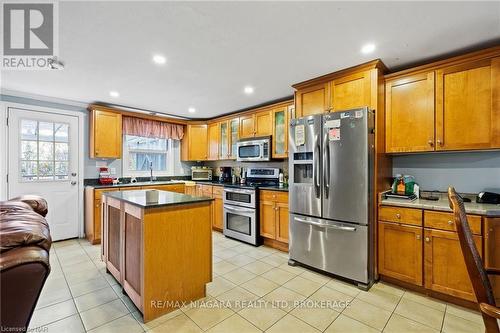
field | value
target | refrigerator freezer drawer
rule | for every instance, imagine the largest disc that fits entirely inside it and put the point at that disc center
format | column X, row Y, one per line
column 335, row 247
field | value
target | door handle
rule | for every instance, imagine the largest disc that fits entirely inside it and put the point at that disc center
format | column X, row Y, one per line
column 316, row 168
column 327, row 168
column 73, row 174
column 325, row 225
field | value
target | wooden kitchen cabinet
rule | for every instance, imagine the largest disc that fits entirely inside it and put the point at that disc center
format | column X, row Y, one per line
column 93, row 207
column 213, row 141
column 194, row 146
column 280, row 132
column 410, row 113
column 217, row 208
column 247, row 126
column 273, row 210
column 312, row 100
column 228, row 137
column 234, row 135
column 351, row 91
column 467, row 106
column 105, row 134
column 444, row 265
column 492, row 251
column 190, row 189
column 400, row 252
column 263, row 123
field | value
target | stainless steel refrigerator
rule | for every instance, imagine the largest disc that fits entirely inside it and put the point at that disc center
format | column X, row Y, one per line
column 331, row 193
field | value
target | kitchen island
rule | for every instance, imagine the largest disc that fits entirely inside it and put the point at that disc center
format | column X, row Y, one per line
column 160, row 253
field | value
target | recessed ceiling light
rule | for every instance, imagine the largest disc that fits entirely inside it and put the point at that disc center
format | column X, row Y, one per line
column 114, row 93
column 159, row 59
column 248, row 90
column 368, row 48
column 191, row 110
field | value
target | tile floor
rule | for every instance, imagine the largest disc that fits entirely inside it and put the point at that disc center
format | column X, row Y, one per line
column 253, row 290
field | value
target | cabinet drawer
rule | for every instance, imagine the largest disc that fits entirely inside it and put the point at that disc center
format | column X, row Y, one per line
column 400, row 215
column 98, row 193
column 277, row 196
column 445, row 221
column 217, row 191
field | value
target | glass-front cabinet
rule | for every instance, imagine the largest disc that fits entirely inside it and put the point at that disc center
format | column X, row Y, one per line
column 280, row 132
column 234, row 125
column 224, row 140
column 229, row 135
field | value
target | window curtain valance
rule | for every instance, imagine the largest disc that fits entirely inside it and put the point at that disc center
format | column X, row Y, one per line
column 152, row 128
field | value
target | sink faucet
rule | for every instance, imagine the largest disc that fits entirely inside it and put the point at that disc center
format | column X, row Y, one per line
column 151, row 178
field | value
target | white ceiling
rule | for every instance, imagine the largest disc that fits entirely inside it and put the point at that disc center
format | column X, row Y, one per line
column 214, row 49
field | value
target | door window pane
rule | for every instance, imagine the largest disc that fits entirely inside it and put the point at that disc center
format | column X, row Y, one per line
column 40, row 157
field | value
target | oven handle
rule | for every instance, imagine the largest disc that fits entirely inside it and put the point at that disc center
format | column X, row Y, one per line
column 237, row 190
column 239, row 210
column 325, row 225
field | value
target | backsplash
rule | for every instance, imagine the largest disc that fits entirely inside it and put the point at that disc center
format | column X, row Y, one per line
column 469, row 172
column 215, row 165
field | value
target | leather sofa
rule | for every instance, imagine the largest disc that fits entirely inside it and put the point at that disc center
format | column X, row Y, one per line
column 24, row 259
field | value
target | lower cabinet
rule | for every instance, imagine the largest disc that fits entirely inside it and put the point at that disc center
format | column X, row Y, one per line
column 400, row 252
column 273, row 210
column 217, row 208
column 492, row 251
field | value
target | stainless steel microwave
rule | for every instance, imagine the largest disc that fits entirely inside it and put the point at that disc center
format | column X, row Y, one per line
column 201, row 174
column 254, row 149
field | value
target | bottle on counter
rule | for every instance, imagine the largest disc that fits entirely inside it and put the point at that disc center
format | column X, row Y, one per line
column 401, row 187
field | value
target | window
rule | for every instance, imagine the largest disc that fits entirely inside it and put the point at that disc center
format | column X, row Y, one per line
column 140, row 152
column 44, row 150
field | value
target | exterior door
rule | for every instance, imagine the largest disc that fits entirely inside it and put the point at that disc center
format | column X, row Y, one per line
column 43, row 160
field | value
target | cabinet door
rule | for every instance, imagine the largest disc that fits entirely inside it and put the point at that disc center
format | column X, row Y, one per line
column 106, row 135
column 97, row 222
column 267, row 219
column 197, row 142
column 349, row 92
column 282, row 222
column 280, row 132
column 312, row 100
column 263, row 123
column 410, row 114
column 247, row 128
column 234, row 135
column 224, row 140
column 213, row 141
column 467, row 106
column 191, row 190
column 218, row 213
column 444, row 267
column 492, row 251
column 400, row 252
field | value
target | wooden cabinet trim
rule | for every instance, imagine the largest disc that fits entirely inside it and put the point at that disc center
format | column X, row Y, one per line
column 411, row 216
column 445, row 221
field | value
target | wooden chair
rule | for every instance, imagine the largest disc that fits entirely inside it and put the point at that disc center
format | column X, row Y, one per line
column 477, row 273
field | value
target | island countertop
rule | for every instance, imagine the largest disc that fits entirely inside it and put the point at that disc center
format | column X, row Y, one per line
column 165, row 198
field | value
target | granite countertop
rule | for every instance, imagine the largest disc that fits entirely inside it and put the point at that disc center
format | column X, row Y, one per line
column 443, row 205
column 158, row 182
column 166, row 198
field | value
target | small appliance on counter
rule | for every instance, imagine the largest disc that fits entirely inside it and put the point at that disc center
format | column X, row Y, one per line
column 488, row 198
column 201, row 173
column 105, row 176
column 225, row 175
column 404, row 187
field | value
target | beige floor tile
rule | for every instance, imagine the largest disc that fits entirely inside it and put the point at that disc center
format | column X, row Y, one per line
column 223, row 267
column 241, row 260
column 421, row 313
column 335, row 299
column 226, row 253
column 367, row 314
column 218, row 286
column 344, row 324
column 72, row 324
column 303, row 286
column 464, row 313
column 216, row 259
column 319, row 318
column 103, row 314
column 78, row 267
column 82, row 276
column 388, row 288
column 235, row 323
column 257, row 254
column 52, row 313
column 278, row 275
column 260, row 286
column 274, row 260
column 398, row 324
column 239, row 276
column 129, row 304
column 284, row 298
column 291, row 324
column 124, row 324
column 380, row 298
column 207, row 317
column 316, row 277
column 258, row 267
column 54, row 291
column 262, row 317
column 454, row 324
column 155, row 322
column 292, row 269
column 95, row 298
column 424, row 300
column 88, row 286
column 180, row 323
column 237, row 298
column 343, row 287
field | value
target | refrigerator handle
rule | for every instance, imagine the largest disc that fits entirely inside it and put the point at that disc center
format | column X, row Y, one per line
column 326, row 158
column 317, row 188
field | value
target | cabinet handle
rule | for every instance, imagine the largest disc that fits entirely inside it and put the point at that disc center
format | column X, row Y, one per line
column 398, row 215
column 427, row 239
column 450, row 222
column 418, row 237
column 431, row 143
column 439, row 142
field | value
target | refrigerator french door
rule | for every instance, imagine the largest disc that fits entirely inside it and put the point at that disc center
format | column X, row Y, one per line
column 331, row 196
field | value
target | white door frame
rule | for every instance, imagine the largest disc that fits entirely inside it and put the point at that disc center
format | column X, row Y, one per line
column 4, row 151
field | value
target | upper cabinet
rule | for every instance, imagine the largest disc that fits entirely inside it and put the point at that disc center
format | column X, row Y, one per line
column 280, row 132
column 229, row 134
column 213, row 141
column 234, row 135
column 194, row 145
column 343, row 90
column 468, row 106
column 410, row 101
column 256, row 124
column 105, row 134
column 247, row 125
column 450, row 105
